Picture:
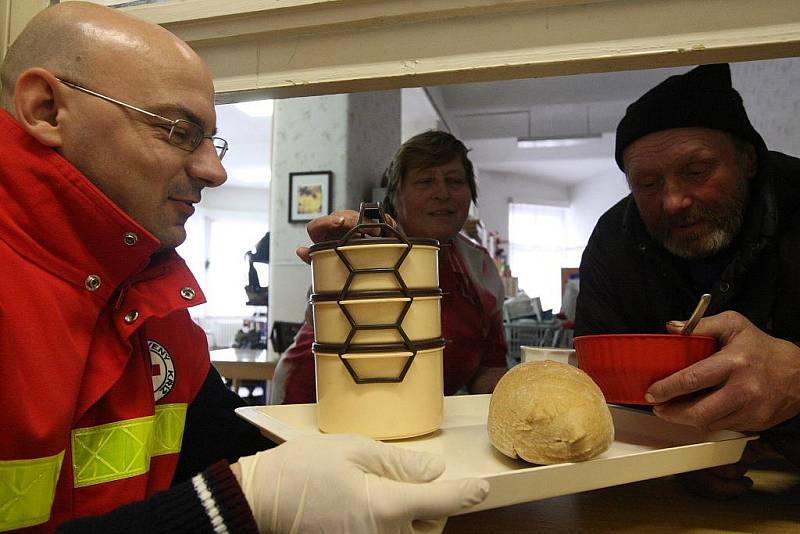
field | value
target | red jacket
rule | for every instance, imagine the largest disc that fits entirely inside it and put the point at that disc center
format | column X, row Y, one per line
column 98, row 354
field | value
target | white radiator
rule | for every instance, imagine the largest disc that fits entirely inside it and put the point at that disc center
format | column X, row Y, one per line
column 221, row 331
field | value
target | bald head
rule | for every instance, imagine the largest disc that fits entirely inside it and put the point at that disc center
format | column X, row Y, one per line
column 89, row 44
column 77, row 80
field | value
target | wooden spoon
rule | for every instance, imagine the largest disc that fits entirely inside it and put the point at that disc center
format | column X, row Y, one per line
column 697, row 314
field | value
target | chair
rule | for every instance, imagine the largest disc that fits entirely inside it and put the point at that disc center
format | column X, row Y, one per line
column 529, row 332
column 257, row 294
column 282, row 335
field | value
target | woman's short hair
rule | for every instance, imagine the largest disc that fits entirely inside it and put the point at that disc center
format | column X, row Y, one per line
column 428, row 149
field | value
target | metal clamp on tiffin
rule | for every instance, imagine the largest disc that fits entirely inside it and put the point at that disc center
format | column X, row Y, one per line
column 377, row 331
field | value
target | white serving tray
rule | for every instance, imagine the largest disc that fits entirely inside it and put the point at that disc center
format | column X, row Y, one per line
column 644, row 447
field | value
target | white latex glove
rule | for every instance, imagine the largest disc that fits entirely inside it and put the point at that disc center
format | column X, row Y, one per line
column 351, row 484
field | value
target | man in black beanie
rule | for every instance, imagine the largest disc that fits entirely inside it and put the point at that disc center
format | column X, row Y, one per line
column 711, row 210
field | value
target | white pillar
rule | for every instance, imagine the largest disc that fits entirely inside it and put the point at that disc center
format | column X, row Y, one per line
column 354, row 136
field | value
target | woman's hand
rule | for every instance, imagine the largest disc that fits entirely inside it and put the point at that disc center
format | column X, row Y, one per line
column 334, row 226
column 327, row 228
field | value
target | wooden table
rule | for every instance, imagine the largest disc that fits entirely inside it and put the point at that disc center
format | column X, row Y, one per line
column 243, row 364
column 653, row 506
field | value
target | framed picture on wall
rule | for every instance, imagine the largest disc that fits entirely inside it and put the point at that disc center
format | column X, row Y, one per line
column 309, row 195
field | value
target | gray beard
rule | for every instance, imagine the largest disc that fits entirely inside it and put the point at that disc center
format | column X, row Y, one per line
column 701, row 246
column 726, row 223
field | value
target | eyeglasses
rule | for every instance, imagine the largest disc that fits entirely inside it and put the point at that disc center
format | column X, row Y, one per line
column 183, row 134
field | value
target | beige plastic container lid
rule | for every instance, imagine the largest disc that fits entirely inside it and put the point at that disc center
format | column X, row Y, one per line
column 358, row 261
column 376, row 265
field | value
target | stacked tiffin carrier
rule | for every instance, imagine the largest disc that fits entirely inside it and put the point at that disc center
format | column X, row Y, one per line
column 377, row 331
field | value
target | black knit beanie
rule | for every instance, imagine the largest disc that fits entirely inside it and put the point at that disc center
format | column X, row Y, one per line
column 703, row 97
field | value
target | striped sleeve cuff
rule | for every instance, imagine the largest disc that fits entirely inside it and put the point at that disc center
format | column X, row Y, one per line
column 223, row 500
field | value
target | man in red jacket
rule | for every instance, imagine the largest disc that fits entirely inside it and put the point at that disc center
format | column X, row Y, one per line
column 114, row 418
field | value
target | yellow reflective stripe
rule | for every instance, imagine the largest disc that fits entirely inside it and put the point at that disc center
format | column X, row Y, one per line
column 123, row 449
column 170, row 421
column 27, row 488
column 112, row 451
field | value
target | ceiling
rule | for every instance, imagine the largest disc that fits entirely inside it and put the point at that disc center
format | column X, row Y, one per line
column 247, row 127
column 580, row 88
column 489, row 117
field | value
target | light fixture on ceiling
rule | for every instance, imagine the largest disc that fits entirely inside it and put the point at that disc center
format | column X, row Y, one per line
column 556, row 141
column 255, row 108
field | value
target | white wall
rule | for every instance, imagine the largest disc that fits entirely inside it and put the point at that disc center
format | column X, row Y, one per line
column 771, row 94
column 496, row 190
column 354, row 136
column 417, row 113
column 309, row 134
column 231, row 198
column 588, row 201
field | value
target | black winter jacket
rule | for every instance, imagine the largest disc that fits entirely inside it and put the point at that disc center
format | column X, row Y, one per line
column 629, row 283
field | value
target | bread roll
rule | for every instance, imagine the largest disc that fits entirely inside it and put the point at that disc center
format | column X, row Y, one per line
column 547, row 412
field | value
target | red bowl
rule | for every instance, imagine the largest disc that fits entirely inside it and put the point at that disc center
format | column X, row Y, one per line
column 625, row 365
